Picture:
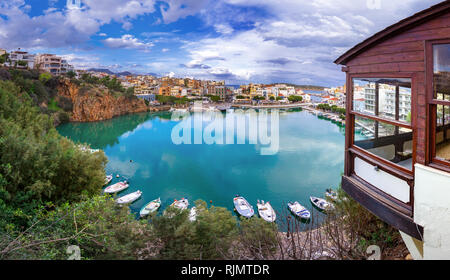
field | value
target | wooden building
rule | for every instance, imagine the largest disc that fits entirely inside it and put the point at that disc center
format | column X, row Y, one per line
column 397, row 148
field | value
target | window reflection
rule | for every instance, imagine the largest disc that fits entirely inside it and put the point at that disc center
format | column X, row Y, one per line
column 443, row 132
column 383, row 97
column 441, row 77
column 387, row 141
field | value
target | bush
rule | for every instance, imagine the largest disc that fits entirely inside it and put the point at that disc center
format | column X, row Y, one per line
column 4, row 74
column 65, row 103
column 63, row 117
column 100, row 228
column 209, row 237
column 45, row 77
column 40, row 165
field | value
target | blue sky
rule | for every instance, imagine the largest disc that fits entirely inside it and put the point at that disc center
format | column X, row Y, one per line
column 240, row 41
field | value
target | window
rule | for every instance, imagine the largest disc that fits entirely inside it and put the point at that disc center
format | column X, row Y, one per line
column 439, row 104
column 382, row 97
column 382, row 119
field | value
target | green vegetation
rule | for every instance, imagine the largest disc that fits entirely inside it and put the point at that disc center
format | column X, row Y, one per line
column 259, row 98
column 295, row 98
column 37, row 165
column 4, row 58
column 170, row 100
column 333, row 108
column 113, row 84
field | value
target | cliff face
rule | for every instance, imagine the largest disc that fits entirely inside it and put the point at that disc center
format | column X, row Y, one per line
column 96, row 104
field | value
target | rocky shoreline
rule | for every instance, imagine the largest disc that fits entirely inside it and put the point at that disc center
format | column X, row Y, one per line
column 98, row 104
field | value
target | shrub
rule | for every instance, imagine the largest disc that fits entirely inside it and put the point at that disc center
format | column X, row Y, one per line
column 45, row 77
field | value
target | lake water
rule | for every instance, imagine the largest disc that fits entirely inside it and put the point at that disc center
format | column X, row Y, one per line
column 139, row 147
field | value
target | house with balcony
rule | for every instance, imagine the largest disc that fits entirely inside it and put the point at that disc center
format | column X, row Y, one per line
column 53, row 64
column 397, row 150
column 21, row 59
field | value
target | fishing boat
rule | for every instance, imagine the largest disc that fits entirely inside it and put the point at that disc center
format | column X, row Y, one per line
column 193, row 214
column 117, row 187
column 129, row 198
column 266, row 211
column 321, row 203
column 242, row 206
column 181, row 204
column 331, row 194
column 108, row 179
column 150, row 207
column 299, row 210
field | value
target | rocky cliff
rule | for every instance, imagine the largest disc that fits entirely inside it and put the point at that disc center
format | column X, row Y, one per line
column 92, row 103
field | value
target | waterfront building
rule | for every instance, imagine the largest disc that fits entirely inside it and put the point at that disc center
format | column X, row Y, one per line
column 164, row 90
column 400, row 170
column 221, row 91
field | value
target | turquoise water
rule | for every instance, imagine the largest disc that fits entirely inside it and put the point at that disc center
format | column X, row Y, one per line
column 139, row 147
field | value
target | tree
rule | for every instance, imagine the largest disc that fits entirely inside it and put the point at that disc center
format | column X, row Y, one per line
column 214, row 98
column 45, row 77
column 71, row 74
column 295, row 98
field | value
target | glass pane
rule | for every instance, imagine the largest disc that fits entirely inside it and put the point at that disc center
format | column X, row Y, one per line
column 443, row 132
column 387, row 141
column 388, row 98
column 441, row 77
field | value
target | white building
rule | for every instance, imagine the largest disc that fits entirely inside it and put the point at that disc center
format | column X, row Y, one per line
column 21, row 59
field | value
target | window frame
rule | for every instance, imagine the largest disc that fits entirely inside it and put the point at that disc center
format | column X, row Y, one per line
column 431, row 106
column 390, row 167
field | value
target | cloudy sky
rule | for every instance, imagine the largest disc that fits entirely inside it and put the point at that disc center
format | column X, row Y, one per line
column 239, row 41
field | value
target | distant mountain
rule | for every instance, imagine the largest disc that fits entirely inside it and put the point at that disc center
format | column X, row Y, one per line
column 107, row 71
column 125, row 73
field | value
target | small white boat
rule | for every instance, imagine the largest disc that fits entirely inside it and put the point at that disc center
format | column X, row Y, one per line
column 117, row 187
column 108, row 179
column 243, row 207
column 299, row 210
column 331, row 194
column 193, row 214
column 129, row 198
column 321, row 203
column 150, row 207
column 266, row 211
column 181, row 204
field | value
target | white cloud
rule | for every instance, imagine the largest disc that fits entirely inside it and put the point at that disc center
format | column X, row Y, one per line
column 127, row 42
column 178, row 9
column 64, row 27
column 223, row 29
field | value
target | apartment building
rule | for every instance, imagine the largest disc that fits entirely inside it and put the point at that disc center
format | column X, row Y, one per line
column 21, row 59
column 53, row 64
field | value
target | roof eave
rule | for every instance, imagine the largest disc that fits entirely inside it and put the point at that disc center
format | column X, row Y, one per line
column 394, row 29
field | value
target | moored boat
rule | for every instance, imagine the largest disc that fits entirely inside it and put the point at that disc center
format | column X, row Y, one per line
column 266, row 211
column 299, row 210
column 181, row 204
column 108, row 179
column 117, row 187
column 150, row 207
column 129, row 198
column 321, row 203
column 243, row 207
